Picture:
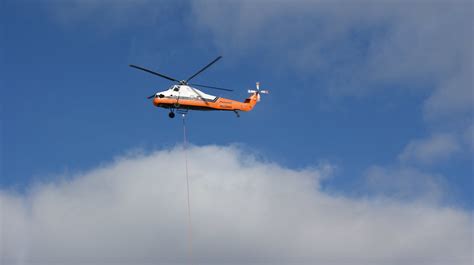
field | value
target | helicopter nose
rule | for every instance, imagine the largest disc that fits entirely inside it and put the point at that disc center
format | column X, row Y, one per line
column 156, row 101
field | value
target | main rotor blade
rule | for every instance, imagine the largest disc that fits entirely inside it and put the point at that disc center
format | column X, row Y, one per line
column 213, row 87
column 204, row 68
column 152, row 72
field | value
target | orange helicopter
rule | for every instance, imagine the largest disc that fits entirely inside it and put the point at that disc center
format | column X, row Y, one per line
column 183, row 97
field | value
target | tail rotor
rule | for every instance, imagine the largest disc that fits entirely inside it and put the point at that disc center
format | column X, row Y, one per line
column 258, row 91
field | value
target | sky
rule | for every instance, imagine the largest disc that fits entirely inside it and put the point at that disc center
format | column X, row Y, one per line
column 365, row 140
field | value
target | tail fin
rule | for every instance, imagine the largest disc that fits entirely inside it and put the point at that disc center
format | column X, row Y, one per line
column 255, row 96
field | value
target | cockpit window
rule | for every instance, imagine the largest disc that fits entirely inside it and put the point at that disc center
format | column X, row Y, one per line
column 176, row 88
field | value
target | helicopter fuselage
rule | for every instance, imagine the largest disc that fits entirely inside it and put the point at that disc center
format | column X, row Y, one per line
column 189, row 98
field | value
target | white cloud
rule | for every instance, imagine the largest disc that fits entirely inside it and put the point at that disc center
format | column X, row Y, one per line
column 405, row 183
column 405, row 40
column 243, row 212
column 358, row 46
column 436, row 148
column 453, row 98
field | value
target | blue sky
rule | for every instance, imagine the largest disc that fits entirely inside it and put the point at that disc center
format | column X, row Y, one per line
column 70, row 102
column 362, row 151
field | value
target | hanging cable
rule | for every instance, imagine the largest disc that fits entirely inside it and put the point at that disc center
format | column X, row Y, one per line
column 187, row 189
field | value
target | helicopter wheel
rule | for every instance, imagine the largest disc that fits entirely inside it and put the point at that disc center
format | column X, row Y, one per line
column 171, row 114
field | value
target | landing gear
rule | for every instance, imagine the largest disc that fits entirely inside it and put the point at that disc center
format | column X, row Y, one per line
column 174, row 111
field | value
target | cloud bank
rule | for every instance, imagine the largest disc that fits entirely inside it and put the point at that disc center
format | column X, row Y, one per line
column 244, row 211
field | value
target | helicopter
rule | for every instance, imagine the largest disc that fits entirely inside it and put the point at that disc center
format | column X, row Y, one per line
column 183, row 96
